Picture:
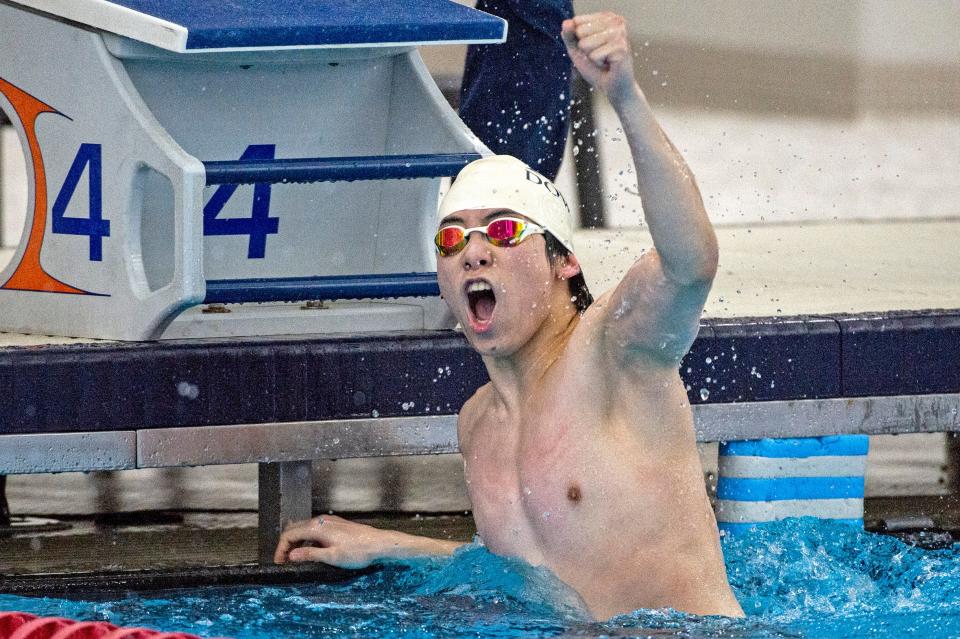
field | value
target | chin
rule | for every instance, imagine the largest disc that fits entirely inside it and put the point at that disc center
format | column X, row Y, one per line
column 483, row 344
column 487, row 345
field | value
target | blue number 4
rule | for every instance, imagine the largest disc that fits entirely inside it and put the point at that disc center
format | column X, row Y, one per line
column 94, row 225
column 259, row 225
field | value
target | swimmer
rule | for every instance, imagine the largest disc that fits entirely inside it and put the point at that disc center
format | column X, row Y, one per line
column 580, row 452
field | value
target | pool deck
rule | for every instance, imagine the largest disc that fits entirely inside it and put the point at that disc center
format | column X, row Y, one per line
column 810, row 268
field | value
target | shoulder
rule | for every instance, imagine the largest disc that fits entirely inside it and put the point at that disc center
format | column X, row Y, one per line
column 650, row 319
column 601, row 354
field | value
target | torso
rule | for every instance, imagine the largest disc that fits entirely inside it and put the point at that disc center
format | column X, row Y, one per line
column 600, row 481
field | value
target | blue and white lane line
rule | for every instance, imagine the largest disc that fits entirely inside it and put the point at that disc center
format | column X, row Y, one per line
column 773, row 479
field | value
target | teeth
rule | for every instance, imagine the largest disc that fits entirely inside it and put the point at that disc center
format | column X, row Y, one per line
column 476, row 287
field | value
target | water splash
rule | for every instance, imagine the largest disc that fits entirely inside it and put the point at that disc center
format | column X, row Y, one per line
column 796, row 578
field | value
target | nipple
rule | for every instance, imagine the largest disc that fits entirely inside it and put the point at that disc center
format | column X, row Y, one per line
column 573, row 493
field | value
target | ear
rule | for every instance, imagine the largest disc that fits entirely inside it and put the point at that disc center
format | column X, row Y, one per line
column 567, row 267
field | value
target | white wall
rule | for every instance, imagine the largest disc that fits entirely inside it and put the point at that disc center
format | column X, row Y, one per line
column 821, row 26
column 907, row 31
column 901, row 31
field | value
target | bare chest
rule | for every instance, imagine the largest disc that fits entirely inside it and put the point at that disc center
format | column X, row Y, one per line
column 532, row 479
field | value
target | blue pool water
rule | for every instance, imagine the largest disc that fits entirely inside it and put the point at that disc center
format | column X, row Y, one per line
column 797, row 578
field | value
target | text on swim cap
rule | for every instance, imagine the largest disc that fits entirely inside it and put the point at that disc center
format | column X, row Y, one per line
column 536, row 178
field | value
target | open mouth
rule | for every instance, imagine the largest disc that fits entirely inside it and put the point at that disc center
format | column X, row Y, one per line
column 482, row 301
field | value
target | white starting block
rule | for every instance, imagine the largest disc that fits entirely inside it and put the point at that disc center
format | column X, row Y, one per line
column 182, row 152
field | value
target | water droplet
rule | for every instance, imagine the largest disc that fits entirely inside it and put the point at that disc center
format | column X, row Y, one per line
column 188, row 390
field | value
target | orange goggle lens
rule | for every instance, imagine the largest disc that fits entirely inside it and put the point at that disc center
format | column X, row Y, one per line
column 450, row 240
column 504, row 231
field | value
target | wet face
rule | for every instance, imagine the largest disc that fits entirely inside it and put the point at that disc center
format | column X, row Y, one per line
column 500, row 295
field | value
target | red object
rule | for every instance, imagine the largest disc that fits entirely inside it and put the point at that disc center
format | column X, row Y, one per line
column 85, row 630
column 40, row 628
column 21, row 625
column 10, row 621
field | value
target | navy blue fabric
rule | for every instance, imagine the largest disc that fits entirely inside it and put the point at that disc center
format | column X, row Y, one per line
column 516, row 96
column 268, row 23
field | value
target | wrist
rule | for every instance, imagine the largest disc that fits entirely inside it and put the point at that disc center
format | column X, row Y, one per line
column 626, row 96
column 403, row 546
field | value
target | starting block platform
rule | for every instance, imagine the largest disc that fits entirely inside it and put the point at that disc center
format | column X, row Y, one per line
column 182, row 152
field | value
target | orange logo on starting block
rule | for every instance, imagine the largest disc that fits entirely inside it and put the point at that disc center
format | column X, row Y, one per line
column 29, row 274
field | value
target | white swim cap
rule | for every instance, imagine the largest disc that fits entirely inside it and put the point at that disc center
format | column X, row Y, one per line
column 503, row 181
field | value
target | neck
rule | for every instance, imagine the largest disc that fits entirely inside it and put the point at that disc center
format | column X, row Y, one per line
column 517, row 375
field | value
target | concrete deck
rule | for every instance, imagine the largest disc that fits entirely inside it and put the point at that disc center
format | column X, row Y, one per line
column 808, row 268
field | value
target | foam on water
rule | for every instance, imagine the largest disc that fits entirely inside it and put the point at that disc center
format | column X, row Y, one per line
column 795, row 578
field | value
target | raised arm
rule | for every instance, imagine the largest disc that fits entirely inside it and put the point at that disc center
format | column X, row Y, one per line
column 347, row 544
column 654, row 312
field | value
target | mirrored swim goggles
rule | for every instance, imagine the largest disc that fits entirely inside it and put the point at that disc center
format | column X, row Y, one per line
column 501, row 231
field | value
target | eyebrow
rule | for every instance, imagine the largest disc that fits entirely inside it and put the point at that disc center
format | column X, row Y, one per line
column 498, row 213
column 486, row 218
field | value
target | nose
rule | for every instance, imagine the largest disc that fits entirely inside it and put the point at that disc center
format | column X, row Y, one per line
column 476, row 253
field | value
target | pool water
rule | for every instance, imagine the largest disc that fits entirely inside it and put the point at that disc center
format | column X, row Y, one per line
column 796, row 578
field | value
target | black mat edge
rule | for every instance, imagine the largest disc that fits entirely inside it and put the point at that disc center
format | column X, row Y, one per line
column 101, row 585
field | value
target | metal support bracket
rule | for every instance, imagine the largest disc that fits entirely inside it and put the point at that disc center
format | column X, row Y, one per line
column 285, row 495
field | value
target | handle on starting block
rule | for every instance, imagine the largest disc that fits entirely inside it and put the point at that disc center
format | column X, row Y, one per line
column 393, row 167
column 335, row 287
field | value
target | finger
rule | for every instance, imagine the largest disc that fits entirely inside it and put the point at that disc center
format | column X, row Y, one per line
column 587, row 25
column 286, row 543
column 295, row 536
column 329, row 518
column 280, row 554
column 580, row 61
column 324, row 555
column 607, row 55
column 283, row 546
column 595, row 41
column 307, row 533
column 568, row 34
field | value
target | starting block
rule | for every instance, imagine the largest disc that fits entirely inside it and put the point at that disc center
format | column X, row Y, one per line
column 183, row 152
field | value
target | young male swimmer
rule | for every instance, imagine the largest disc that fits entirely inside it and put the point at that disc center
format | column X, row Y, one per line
column 579, row 453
